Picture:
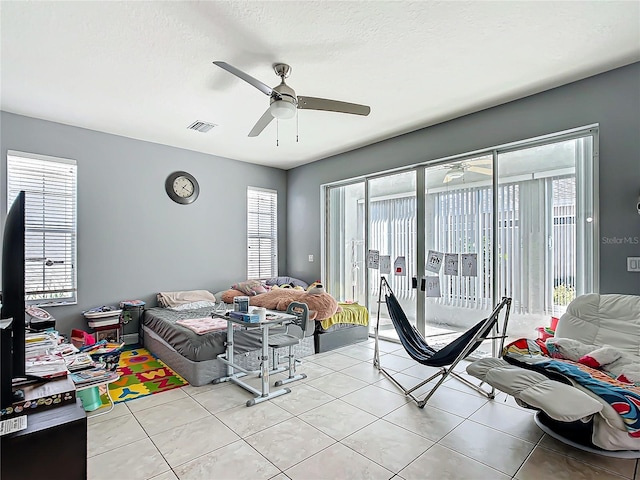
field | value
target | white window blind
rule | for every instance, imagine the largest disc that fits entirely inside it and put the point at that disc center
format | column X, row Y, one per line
column 50, row 224
column 262, row 233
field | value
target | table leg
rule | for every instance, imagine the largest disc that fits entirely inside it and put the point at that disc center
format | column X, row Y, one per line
column 230, row 348
column 228, row 358
column 265, row 361
column 233, row 377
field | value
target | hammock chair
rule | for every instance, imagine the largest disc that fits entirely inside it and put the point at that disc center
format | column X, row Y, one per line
column 448, row 356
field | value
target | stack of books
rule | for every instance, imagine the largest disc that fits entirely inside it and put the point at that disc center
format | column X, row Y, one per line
column 46, row 366
column 79, row 361
column 41, row 343
column 92, row 377
column 43, row 355
column 64, row 349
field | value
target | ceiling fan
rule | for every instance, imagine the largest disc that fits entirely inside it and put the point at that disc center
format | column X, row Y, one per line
column 284, row 101
column 458, row 171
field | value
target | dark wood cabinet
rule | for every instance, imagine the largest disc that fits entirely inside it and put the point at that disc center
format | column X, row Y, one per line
column 54, row 445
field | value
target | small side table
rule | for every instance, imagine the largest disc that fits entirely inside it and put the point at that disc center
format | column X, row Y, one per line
column 131, row 321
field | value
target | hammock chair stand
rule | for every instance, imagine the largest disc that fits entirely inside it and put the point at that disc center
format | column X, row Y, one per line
column 447, row 357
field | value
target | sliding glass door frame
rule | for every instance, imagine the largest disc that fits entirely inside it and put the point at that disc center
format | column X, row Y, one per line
column 587, row 209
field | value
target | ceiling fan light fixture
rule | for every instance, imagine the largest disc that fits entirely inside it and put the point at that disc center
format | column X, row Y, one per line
column 282, row 110
column 455, row 174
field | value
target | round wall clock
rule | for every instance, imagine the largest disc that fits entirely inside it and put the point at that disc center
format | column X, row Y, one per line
column 182, row 187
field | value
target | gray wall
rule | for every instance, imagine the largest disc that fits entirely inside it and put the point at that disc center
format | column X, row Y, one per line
column 133, row 241
column 611, row 99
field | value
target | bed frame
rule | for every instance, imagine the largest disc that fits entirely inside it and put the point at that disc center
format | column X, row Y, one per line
column 201, row 373
column 325, row 341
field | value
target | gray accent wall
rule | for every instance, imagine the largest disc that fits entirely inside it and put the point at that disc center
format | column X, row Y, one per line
column 133, row 241
column 611, row 100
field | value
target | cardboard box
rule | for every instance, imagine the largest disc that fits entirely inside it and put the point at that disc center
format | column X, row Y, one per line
column 246, row 317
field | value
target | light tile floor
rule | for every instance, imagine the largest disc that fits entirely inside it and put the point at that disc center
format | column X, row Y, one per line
column 345, row 421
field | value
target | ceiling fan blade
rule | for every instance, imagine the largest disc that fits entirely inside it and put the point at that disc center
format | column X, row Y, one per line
column 261, row 124
column 483, row 170
column 480, row 161
column 267, row 90
column 313, row 103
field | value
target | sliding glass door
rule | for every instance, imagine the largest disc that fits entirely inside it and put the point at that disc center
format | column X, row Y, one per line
column 459, row 237
column 530, row 237
column 545, row 237
column 392, row 224
column 345, row 244
column 517, row 221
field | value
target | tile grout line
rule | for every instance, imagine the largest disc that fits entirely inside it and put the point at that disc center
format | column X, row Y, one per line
column 537, row 444
column 585, row 462
column 479, row 461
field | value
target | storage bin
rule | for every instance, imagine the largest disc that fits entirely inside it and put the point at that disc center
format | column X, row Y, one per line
column 241, row 304
column 90, row 398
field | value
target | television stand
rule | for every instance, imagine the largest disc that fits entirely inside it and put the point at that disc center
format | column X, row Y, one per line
column 53, row 445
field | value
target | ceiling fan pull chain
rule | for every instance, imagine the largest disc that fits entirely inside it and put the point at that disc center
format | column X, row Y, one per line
column 277, row 133
column 296, row 127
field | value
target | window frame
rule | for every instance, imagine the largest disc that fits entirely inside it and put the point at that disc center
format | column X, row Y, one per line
column 69, row 232
column 256, row 232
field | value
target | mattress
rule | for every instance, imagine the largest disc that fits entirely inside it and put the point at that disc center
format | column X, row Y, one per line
column 205, row 371
column 189, row 344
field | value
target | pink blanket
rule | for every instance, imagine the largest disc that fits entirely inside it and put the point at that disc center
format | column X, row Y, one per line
column 204, row 325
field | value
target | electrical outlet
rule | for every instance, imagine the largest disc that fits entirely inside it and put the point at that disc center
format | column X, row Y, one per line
column 311, row 258
column 633, row 264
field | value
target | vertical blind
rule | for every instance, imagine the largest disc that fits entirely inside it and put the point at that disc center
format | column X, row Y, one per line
column 392, row 231
column 464, row 224
column 50, row 224
column 262, row 233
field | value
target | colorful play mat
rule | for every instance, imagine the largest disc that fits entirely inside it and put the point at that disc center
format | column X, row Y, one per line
column 141, row 374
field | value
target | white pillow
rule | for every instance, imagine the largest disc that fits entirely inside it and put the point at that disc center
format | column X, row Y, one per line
column 194, row 305
column 174, row 299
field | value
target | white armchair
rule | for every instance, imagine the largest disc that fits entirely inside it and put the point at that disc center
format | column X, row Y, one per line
column 569, row 411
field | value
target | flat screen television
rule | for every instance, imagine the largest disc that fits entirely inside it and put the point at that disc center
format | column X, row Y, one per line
column 13, row 296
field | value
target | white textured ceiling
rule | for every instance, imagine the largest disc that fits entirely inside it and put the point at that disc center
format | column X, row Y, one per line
column 144, row 69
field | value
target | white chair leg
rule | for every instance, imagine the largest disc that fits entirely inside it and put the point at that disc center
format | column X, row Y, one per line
column 292, row 371
column 275, row 363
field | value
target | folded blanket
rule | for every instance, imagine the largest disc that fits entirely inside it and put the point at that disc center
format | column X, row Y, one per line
column 353, row 313
column 617, row 363
column 204, row 325
column 624, row 398
column 173, row 299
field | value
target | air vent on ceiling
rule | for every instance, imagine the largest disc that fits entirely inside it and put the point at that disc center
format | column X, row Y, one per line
column 203, row 127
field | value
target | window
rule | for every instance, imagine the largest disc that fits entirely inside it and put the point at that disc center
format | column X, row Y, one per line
column 262, row 233
column 50, row 225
